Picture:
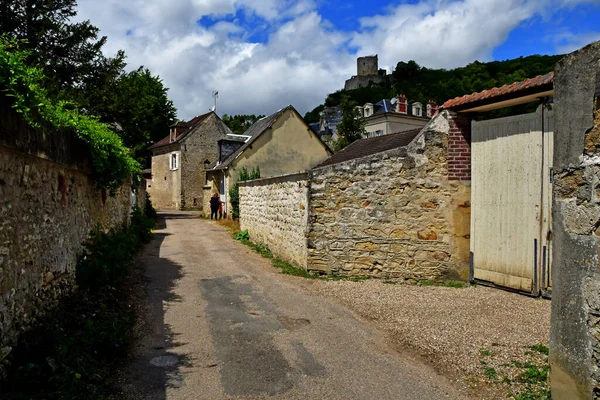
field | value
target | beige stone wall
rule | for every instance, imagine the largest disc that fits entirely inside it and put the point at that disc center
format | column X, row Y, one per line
column 165, row 187
column 391, row 215
column 46, row 211
column 288, row 147
column 275, row 213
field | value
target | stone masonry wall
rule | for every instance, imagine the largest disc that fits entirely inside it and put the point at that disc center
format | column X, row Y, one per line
column 165, row 187
column 196, row 148
column 575, row 325
column 275, row 213
column 393, row 214
column 47, row 210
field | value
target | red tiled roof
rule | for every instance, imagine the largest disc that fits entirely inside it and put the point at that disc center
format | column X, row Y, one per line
column 516, row 87
column 191, row 124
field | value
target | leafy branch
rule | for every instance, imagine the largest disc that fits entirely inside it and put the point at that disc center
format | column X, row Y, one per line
column 111, row 161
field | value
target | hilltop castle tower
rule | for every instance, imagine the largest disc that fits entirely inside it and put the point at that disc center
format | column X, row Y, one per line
column 367, row 69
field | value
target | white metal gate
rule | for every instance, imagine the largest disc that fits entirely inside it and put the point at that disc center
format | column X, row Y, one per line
column 511, row 201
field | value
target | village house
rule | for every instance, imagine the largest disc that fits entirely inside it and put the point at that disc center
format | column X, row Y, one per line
column 395, row 115
column 278, row 144
column 179, row 161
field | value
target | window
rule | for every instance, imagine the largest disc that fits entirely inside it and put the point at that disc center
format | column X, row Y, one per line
column 417, row 111
column 379, row 133
column 174, row 162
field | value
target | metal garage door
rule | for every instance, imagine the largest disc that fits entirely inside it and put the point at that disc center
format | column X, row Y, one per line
column 511, row 201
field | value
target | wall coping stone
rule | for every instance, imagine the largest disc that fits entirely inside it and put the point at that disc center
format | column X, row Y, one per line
column 261, row 181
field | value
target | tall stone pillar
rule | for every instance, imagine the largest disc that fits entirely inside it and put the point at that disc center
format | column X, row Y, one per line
column 575, row 328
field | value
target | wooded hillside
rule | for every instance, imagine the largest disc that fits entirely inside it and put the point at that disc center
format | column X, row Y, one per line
column 422, row 84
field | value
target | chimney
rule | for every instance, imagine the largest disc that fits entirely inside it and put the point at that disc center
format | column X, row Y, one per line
column 401, row 104
column 432, row 108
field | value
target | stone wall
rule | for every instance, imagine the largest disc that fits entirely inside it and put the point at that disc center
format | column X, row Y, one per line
column 575, row 326
column 48, row 206
column 357, row 82
column 393, row 215
column 275, row 212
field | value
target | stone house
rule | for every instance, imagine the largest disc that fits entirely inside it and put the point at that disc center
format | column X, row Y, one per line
column 395, row 115
column 179, row 161
column 278, row 144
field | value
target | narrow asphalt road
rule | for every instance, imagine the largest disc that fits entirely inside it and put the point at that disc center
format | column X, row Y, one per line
column 221, row 323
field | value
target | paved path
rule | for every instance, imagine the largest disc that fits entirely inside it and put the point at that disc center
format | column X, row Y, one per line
column 222, row 323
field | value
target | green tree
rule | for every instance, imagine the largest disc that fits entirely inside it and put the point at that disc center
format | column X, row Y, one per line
column 70, row 53
column 139, row 103
column 239, row 123
column 352, row 126
column 76, row 71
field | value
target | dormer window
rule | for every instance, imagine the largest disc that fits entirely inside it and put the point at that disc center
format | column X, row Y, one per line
column 417, row 109
column 368, row 109
column 172, row 135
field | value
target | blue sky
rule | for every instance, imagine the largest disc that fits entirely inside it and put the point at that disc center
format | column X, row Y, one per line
column 265, row 54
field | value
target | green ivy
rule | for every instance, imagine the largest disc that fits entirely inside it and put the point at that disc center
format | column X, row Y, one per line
column 111, row 161
column 234, row 192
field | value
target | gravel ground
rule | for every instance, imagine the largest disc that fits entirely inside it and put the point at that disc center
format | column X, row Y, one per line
column 480, row 337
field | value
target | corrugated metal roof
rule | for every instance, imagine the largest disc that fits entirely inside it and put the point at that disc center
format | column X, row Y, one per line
column 516, row 87
column 366, row 147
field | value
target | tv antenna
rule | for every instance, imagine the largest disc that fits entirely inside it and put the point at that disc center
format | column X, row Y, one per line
column 215, row 95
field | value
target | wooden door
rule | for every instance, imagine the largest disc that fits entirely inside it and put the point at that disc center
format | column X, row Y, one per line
column 510, row 204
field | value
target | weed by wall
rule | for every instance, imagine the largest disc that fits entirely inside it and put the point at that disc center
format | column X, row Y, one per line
column 70, row 355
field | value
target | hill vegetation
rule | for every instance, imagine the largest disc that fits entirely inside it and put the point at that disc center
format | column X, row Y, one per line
column 423, row 84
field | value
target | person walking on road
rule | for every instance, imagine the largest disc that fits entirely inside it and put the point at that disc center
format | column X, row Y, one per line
column 214, row 205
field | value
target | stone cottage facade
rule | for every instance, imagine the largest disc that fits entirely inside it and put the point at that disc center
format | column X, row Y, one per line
column 179, row 161
column 279, row 144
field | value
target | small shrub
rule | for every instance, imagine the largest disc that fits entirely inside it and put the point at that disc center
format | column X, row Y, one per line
column 244, row 235
column 108, row 254
column 234, row 192
column 149, row 209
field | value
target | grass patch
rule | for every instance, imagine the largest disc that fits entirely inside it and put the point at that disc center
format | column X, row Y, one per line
column 73, row 351
column 540, row 348
column 485, row 352
column 453, row 284
column 345, row 278
column 490, row 373
column 233, row 226
column 289, row 269
column 534, row 373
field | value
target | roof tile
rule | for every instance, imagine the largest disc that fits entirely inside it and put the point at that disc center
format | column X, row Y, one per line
column 501, row 91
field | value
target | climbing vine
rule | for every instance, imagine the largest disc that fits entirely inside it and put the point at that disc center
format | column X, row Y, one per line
column 111, row 161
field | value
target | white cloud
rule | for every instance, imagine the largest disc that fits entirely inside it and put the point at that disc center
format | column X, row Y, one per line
column 569, row 42
column 304, row 56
